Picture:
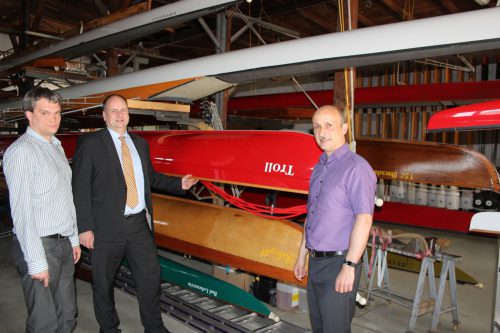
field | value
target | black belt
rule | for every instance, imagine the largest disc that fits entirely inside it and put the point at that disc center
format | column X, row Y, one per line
column 56, row 236
column 326, row 254
column 131, row 216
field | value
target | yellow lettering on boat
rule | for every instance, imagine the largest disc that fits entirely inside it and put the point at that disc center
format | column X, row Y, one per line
column 277, row 254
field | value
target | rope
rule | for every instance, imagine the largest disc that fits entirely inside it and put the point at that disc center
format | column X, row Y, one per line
column 256, row 209
column 386, row 238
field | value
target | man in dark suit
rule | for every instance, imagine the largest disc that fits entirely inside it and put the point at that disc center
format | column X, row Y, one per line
column 112, row 180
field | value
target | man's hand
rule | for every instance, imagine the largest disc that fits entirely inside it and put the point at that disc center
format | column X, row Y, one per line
column 77, row 252
column 345, row 279
column 188, row 181
column 87, row 239
column 299, row 270
column 42, row 277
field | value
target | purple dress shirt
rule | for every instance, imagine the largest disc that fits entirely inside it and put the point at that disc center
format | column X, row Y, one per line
column 341, row 187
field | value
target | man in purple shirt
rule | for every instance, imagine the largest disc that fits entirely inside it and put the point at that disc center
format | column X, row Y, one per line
column 339, row 218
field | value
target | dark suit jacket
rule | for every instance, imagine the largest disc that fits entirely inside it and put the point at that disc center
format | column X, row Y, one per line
column 99, row 188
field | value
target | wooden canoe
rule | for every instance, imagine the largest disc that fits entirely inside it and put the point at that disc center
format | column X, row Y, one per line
column 228, row 236
column 429, row 162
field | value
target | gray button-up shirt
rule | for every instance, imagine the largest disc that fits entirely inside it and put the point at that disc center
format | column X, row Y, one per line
column 41, row 200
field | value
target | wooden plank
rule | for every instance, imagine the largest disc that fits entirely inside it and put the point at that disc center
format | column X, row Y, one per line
column 369, row 123
column 385, row 115
column 358, row 123
column 395, row 124
column 378, row 124
column 404, row 125
column 102, row 21
column 158, row 106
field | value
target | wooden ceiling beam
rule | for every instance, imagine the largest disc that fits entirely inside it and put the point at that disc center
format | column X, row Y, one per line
column 364, row 20
column 56, row 26
column 66, row 11
column 281, row 23
column 11, row 4
column 18, row 30
column 37, row 15
column 119, row 15
column 394, row 7
column 450, row 6
column 121, row 4
column 328, row 25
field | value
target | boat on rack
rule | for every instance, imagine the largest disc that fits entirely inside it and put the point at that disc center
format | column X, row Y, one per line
column 228, row 236
column 283, row 160
column 467, row 117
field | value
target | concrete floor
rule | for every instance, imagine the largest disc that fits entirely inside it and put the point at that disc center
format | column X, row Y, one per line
column 475, row 305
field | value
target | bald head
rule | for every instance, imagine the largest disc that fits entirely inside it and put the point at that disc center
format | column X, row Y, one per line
column 329, row 128
column 330, row 109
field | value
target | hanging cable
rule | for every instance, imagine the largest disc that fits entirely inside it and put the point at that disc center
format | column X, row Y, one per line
column 256, row 209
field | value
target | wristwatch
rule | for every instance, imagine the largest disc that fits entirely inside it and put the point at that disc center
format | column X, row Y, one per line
column 350, row 263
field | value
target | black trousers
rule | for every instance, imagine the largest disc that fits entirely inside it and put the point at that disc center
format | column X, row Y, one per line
column 51, row 309
column 329, row 311
column 136, row 244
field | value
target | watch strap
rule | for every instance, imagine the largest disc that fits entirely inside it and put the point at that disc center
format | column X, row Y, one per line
column 350, row 263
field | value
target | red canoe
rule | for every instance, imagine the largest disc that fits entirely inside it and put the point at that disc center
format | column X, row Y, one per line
column 468, row 117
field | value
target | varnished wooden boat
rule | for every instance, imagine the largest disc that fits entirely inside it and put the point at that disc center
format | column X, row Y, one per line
column 228, row 236
column 429, row 162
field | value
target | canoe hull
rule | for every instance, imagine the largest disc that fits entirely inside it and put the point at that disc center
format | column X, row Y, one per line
column 228, row 236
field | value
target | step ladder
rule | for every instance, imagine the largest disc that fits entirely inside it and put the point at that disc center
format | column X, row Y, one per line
column 206, row 314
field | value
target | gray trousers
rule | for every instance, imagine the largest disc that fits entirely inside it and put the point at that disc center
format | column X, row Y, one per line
column 51, row 309
column 329, row 311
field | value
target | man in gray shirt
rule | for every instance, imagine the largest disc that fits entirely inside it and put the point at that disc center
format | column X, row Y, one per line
column 46, row 246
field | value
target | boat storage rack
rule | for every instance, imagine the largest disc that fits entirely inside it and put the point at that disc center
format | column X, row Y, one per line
column 206, row 314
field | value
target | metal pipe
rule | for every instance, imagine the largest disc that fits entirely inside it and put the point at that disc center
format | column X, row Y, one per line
column 209, row 32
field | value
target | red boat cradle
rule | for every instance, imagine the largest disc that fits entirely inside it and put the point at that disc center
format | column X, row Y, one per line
column 468, row 117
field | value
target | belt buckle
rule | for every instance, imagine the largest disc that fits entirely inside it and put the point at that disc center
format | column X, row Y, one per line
column 313, row 253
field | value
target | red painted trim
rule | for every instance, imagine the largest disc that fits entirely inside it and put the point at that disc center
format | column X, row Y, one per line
column 424, row 216
column 407, row 94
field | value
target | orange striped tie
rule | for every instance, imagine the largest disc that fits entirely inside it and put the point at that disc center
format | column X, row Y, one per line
column 128, row 172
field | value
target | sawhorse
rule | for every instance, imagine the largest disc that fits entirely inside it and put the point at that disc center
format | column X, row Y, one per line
column 447, row 273
column 417, row 306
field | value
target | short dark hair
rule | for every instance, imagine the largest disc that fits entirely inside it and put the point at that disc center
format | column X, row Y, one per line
column 107, row 98
column 34, row 95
